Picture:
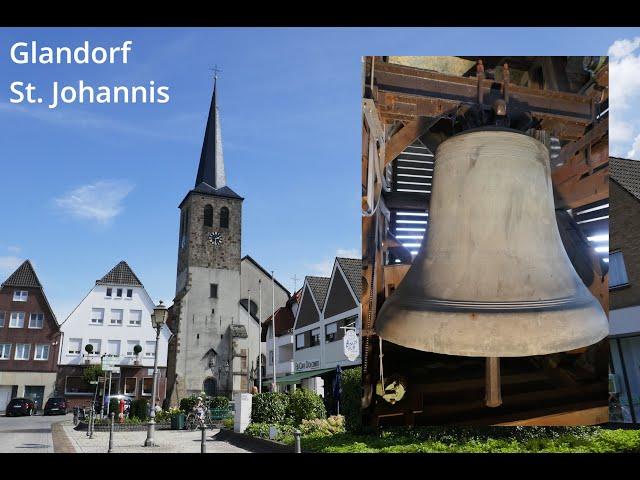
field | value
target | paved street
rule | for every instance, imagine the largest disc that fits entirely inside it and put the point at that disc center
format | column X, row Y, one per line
column 169, row 441
column 27, row 434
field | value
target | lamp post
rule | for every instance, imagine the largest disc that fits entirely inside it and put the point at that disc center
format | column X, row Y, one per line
column 158, row 319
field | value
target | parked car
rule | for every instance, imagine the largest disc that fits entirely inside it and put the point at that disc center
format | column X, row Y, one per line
column 56, row 406
column 20, row 406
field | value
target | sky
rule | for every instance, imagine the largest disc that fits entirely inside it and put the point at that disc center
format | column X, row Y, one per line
column 88, row 185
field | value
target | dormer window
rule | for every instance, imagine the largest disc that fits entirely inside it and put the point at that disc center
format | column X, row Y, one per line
column 20, row 295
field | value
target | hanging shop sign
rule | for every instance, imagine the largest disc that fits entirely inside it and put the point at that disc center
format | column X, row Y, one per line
column 110, row 363
column 351, row 345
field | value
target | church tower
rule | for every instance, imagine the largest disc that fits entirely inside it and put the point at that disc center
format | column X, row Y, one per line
column 208, row 275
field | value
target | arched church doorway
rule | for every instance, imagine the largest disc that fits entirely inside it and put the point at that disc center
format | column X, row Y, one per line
column 210, row 387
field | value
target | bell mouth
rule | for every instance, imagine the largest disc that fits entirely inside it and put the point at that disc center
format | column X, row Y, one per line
column 493, row 332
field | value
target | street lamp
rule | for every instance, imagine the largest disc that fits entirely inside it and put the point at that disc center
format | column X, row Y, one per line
column 158, row 319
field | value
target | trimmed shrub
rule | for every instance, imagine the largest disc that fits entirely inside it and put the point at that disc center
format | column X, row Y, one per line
column 114, row 406
column 228, row 423
column 269, row 407
column 139, row 409
column 351, row 399
column 305, row 405
column 320, row 426
column 285, row 431
column 187, row 403
column 219, row 402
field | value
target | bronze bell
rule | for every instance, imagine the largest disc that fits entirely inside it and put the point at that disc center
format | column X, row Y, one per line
column 492, row 278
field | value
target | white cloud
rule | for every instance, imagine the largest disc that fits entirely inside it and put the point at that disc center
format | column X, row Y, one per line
column 619, row 130
column 100, row 201
column 325, row 267
column 622, row 48
column 634, row 153
column 14, row 249
column 9, row 263
column 624, row 68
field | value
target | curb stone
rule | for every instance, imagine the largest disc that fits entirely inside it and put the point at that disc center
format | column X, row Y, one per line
column 61, row 442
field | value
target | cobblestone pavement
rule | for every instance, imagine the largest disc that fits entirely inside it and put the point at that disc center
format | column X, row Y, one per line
column 27, row 434
column 169, row 441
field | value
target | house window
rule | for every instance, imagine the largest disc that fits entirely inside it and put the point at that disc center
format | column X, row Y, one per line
column 17, row 320
column 116, row 316
column 109, row 292
column 270, row 357
column 23, row 351
column 77, row 385
column 119, row 292
column 96, row 343
column 75, row 344
column 5, row 351
column 97, row 316
column 36, row 320
column 20, row 295
column 208, row 216
column 131, row 344
column 224, row 217
column 42, row 352
column 129, row 292
column 300, row 341
column 315, row 337
column 150, row 349
column 213, row 290
column 617, row 270
column 334, row 332
column 147, row 386
column 135, row 318
column 2, row 317
column 113, row 348
column 130, row 385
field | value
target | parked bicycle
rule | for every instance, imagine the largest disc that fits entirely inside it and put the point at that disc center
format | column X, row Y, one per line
column 195, row 420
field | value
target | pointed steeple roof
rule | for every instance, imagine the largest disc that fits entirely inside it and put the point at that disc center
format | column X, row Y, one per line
column 121, row 274
column 24, row 276
column 211, row 168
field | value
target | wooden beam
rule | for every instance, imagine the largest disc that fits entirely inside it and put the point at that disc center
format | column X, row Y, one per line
column 589, row 416
column 405, row 137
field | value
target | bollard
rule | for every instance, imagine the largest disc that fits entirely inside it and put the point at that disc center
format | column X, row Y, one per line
column 296, row 435
column 112, row 415
column 203, row 445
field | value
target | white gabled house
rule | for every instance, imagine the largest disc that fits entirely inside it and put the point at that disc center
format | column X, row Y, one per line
column 114, row 318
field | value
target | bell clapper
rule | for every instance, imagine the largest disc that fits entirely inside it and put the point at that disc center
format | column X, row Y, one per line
column 493, row 396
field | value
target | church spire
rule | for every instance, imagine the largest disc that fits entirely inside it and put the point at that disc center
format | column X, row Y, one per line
column 211, row 168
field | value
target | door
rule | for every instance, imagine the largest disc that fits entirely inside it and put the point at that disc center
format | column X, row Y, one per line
column 5, row 396
column 35, row 393
column 210, row 387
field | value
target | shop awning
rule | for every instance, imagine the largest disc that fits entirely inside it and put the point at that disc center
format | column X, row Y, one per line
column 296, row 377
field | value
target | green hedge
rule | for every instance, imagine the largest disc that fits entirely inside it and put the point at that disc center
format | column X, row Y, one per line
column 305, row 405
column 219, row 402
column 351, row 399
column 285, row 431
column 269, row 407
column 139, row 409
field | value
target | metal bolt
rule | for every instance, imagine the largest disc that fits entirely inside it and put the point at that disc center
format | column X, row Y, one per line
column 112, row 415
column 296, row 435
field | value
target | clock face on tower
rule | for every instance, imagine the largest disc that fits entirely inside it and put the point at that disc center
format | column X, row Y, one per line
column 215, row 239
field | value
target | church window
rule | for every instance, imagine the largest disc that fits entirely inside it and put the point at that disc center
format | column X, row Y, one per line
column 224, row 217
column 208, row 216
column 213, row 290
